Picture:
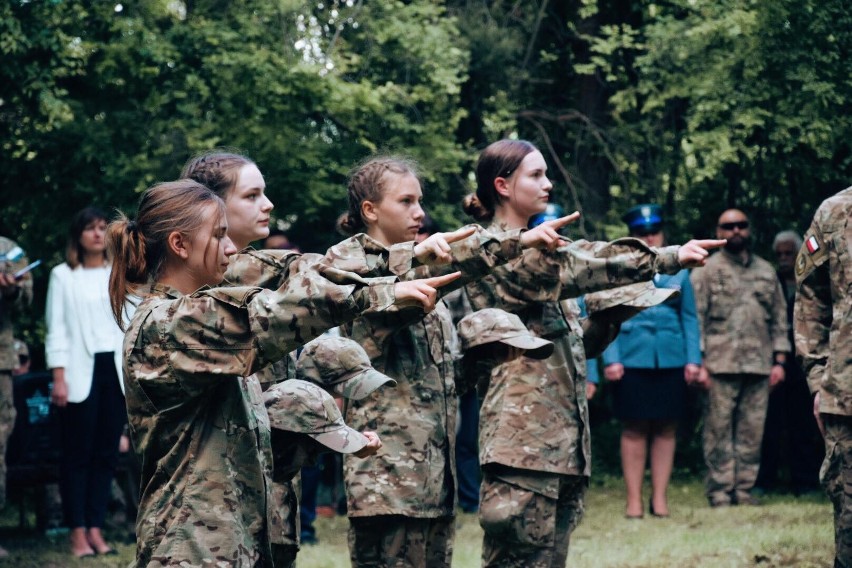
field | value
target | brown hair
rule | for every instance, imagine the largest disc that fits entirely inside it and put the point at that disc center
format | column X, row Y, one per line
column 74, row 251
column 368, row 182
column 139, row 247
column 217, row 169
column 499, row 159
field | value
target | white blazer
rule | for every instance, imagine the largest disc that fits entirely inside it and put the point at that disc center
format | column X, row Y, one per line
column 70, row 338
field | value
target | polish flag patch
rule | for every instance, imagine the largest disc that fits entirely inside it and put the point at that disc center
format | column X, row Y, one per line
column 812, row 244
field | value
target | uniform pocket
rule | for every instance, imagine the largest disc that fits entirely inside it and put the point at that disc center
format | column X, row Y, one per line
column 511, row 514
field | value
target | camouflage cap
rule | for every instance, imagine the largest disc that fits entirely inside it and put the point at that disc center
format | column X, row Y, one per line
column 341, row 366
column 621, row 304
column 493, row 324
column 304, row 408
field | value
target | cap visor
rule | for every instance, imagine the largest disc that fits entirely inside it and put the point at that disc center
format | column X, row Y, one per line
column 652, row 297
column 536, row 347
column 361, row 385
column 342, row 439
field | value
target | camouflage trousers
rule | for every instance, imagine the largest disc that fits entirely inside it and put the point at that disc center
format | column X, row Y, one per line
column 7, row 422
column 396, row 541
column 528, row 517
column 733, row 431
column 836, row 477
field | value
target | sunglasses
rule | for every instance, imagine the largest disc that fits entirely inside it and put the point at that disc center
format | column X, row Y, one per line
column 741, row 225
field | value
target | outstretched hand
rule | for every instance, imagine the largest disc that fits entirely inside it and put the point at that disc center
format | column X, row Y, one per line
column 695, row 252
column 423, row 292
column 436, row 248
column 546, row 235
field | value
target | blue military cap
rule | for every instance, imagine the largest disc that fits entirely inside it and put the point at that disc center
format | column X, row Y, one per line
column 645, row 218
column 551, row 212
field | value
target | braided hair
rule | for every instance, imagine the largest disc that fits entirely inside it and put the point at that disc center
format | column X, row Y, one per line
column 368, row 182
column 218, row 170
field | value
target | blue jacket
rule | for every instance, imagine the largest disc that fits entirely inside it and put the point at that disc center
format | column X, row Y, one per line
column 662, row 337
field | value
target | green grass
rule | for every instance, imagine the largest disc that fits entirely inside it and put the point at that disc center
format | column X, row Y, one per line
column 784, row 531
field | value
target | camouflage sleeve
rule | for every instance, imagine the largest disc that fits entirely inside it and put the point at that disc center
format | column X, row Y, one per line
column 780, row 328
column 581, row 267
column 24, row 294
column 698, row 279
column 813, row 308
column 260, row 268
column 474, row 257
column 366, row 256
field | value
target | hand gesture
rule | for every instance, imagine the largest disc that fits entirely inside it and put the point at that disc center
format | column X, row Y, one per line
column 373, row 446
column 546, row 235
column 423, row 292
column 776, row 376
column 691, row 372
column 436, row 248
column 614, row 372
column 8, row 284
column 694, row 253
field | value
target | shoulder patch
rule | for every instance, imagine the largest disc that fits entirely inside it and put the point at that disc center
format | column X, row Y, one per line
column 813, row 254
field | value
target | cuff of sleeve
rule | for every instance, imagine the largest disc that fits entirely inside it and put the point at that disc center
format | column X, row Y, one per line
column 401, row 257
column 667, row 262
column 381, row 294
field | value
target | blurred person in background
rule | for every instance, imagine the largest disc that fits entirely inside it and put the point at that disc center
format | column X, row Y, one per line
column 15, row 293
column 84, row 352
column 742, row 315
column 651, row 362
column 791, row 436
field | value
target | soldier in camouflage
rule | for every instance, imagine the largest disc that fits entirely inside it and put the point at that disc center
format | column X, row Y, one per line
column 534, row 427
column 14, row 294
column 742, row 314
column 196, row 415
column 823, row 326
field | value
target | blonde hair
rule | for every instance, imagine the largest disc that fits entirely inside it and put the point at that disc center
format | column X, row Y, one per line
column 138, row 247
column 368, row 182
column 218, row 170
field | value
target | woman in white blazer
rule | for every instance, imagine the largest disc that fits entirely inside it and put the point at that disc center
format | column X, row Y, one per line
column 83, row 350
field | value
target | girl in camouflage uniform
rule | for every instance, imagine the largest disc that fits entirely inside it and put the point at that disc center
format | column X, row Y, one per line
column 196, row 415
column 534, row 430
column 401, row 502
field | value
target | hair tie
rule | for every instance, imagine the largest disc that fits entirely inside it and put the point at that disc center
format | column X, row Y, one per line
column 132, row 227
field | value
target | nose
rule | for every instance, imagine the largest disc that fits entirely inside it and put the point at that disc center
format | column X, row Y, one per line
column 418, row 213
column 267, row 205
column 230, row 248
column 548, row 185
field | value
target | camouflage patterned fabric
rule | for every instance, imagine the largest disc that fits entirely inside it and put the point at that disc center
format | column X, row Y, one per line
column 742, row 314
column 491, row 325
column 528, row 518
column 305, row 408
column 534, row 417
column 398, row 541
column 414, row 473
column 341, row 366
column 197, row 417
column 8, row 353
column 823, row 326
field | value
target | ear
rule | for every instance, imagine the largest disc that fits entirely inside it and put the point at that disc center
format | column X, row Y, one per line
column 368, row 211
column 178, row 245
column 501, row 186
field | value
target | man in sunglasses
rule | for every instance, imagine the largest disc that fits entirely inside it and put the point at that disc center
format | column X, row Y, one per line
column 742, row 314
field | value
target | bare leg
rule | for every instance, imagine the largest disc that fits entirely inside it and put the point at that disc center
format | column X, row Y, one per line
column 663, row 442
column 634, row 452
column 79, row 543
column 96, row 539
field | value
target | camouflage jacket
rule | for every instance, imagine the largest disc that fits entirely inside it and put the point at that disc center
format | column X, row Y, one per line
column 742, row 314
column 534, row 415
column 414, row 473
column 196, row 415
column 823, row 308
column 8, row 357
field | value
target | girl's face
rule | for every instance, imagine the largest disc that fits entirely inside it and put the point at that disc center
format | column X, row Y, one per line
column 397, row 217
column 527, row 190
column 208, row 250
column 247, row 207
column 93, row 237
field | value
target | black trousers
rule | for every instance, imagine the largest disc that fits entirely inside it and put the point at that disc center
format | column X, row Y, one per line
column 90, row 434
